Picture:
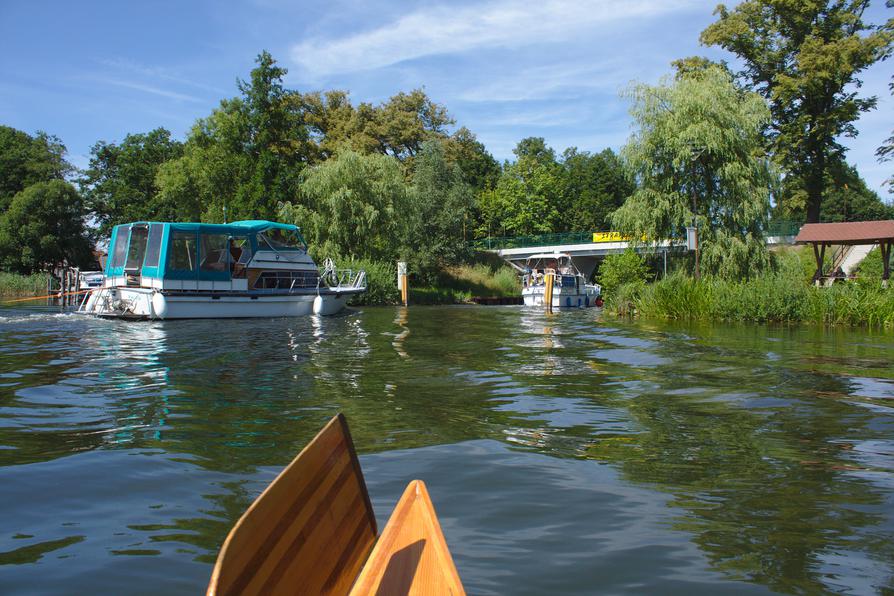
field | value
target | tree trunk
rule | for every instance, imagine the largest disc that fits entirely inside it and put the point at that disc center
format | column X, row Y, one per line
column 814, row 186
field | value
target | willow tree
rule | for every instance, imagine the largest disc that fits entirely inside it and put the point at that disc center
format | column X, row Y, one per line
column 804, row 56
column 697, row 157
column 353, row 205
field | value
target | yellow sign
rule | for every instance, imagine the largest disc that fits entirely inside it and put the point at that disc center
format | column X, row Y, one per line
column 609, row 237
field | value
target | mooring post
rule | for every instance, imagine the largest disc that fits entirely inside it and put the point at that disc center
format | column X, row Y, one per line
column 548, row 292
column 403, row 283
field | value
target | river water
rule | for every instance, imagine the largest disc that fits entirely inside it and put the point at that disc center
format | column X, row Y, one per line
column 565, row 454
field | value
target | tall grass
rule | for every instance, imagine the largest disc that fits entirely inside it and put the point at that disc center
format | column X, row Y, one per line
column 772, row 297
column 12, row 284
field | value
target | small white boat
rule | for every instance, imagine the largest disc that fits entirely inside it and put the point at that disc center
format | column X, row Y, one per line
column 192, row 270
column 570, row 287
column 90, row 279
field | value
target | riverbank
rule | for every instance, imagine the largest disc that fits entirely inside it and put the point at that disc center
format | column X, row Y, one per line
column 453, row 285
column 13, row 285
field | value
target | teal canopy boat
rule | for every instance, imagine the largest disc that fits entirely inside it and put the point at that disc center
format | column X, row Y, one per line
column 256, row 268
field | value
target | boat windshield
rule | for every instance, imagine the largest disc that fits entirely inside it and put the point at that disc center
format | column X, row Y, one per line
column 137, row 249
column 279, row 239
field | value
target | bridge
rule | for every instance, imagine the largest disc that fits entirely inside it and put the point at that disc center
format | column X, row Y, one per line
column 588, row 248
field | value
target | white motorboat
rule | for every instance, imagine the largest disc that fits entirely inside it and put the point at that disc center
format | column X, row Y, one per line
column 570, row 287
column 193, row 270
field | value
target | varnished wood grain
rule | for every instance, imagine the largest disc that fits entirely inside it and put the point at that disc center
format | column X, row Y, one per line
column 411, row 556
column 309, row 532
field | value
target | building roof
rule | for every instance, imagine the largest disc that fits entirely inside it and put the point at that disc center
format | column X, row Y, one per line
column 856, row 232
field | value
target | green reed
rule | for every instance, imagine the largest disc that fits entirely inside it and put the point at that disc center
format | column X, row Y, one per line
column 771, row 297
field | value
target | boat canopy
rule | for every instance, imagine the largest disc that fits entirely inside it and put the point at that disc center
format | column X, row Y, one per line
column 195, row 251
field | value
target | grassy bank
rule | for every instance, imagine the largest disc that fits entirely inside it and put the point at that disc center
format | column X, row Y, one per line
column 13, row 285
column 774, row 297
column 455, row 285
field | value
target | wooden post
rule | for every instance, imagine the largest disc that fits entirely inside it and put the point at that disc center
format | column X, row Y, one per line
column 548, row 292
column 820, row 254
column 885, row 247
column 402, row 282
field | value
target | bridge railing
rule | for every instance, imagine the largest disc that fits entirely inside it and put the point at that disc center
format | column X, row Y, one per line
column 774, row 228
column 493, row 243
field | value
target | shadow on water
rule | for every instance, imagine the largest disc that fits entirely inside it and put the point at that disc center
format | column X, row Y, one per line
column 563, row 453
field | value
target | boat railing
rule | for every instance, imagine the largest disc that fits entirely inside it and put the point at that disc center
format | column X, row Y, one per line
column 343, row 278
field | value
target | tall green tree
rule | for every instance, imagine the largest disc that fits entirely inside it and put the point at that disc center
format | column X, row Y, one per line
column 25, row 160
column 529, row 195
column 441, row 210
column 846, row 198
column 120, row 183
column 596, row 185
column 247, row 156
column 697, row 156
column 478, row 167
column 43, row 227
column 353, row 205
column 804, row 56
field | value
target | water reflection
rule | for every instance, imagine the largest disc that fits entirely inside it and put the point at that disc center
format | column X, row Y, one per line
column 765, row 451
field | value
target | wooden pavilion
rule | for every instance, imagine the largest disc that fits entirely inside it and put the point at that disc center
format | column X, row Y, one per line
column 821, row 235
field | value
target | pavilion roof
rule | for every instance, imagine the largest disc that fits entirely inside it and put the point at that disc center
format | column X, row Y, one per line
column 855, row 232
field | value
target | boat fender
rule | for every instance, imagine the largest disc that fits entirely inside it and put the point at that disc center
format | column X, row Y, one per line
column 599, row 302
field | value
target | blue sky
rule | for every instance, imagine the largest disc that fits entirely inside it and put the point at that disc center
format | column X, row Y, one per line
column 89, row 71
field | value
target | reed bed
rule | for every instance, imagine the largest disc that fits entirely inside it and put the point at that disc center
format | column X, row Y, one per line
column 773, row 297
column 12, row 284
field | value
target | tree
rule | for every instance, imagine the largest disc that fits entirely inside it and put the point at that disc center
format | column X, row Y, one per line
column 804, row 57
column 846, row 198
column 697, row 157
column 479, row 168
column 886, row 151
column 44, row 228
column 25, row 160
column 440, row 211
column 247, row 156
column 353, row 205
column 529, row 195
column 120, row 184
column 596, row 185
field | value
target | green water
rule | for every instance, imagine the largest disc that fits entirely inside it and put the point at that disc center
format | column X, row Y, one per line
column 564, row 453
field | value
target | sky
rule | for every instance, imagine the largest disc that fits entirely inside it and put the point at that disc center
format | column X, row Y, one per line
column 96, row 71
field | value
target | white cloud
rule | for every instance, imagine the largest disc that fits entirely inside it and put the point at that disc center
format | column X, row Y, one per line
column 545, row 82
column 446, row 29
column 158, row 73
column 150, row 89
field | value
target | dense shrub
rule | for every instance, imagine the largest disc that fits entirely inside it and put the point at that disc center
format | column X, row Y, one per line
column 625, row 268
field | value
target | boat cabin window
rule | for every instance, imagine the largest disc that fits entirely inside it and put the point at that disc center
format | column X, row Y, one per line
column 279, row 239
column 287, row 280
column 240, row 250
column 182, row 251
column 153, row 248
column 119, row 252
column 137, row 249
column 215, row 252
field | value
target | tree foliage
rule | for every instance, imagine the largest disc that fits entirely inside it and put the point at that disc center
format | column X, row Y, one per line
column 352, row 205
column 528, row 196
column 597, row 185
column 120, row 186
column 440, row 210
column 25, row 160
column 43, row 227
column 804, row 57
column 245, row 158
column 697, row 157
column 846, row 198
